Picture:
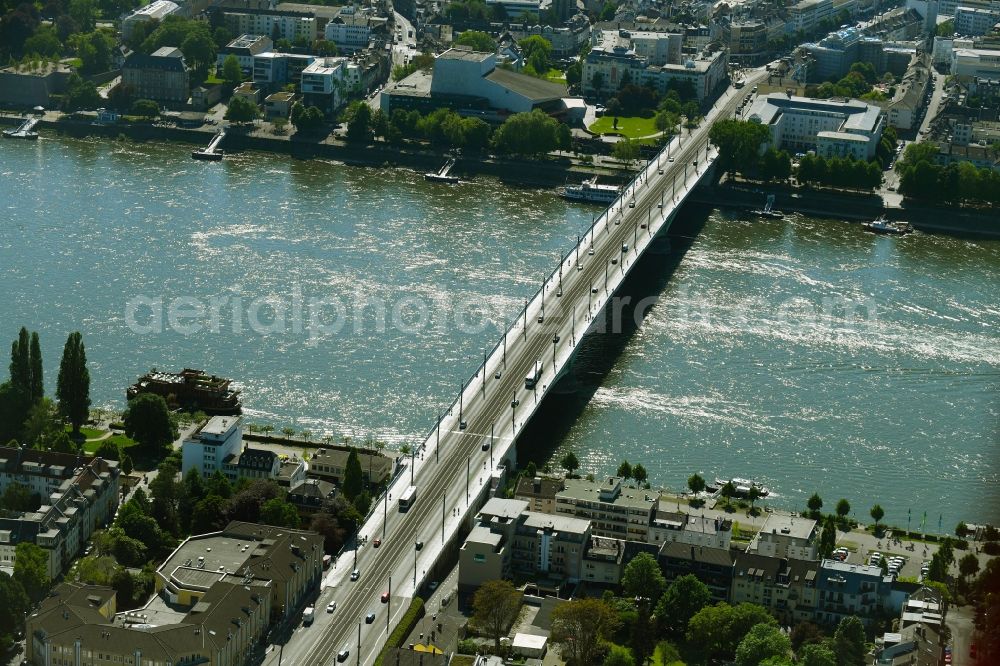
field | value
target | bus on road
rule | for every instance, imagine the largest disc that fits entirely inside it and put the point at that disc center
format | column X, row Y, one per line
column 407, row 499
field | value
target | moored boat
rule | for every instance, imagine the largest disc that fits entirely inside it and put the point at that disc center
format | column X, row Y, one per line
column 885, row 226
column 590, row 191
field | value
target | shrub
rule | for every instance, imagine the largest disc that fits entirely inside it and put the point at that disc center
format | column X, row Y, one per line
column 403, row 629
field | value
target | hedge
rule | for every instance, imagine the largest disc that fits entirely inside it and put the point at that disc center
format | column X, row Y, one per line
column 403, row 629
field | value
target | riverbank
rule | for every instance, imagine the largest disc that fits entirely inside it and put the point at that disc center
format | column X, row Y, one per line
column 547, row 172
column 854, row 207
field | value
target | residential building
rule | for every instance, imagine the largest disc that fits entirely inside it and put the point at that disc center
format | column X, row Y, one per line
column 323, row 84
column 77, row 626
column 677, row 526
column 278, row 105
column 551, row 550
column 251, row 464
column 206, row 449
column 78, row 495
column 712, row 566
column 244, row 48
column 785, row 587
column 566, row 40
column 247, row 91
column 161, row 76
column 615, row 510
column 849, row 589
column 292, row 470
column 21, row 86
column 913, row 645
column 831, row 127
column 539, row 492
column 648, row 58
column 978, row 155
column 329, row 464
column 273, row 70
column 350, row 32
column 902, row 110
column 975, row 21
column 310, row 495
column 154, row 11
column 786, row 536
column 833, row 55
column 748, row 42
column 289, row 561
column 515, row 9
column 807, row 15
column 277, row 24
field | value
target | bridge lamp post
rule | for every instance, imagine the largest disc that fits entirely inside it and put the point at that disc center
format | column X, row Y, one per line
column 414, row 568
column 513, row 414
column 388, row 604
column 553, row 354
column 572, row 324
column 359, row 644
column 505, row 350
column 442, row 517
column 468, row 473
column 492, row 429
column 461, row 405
column 525, row 327
column 413, row 460
column 437, row 441
column 484, row 373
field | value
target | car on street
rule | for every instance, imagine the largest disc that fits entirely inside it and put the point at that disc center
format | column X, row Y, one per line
column 343, row 655
column 670, row 159
column 498, row 374
column 369, row 618
column 385, row 597
column 419, row 545
column 593, row 290
column 332, row 606
column 355, row 574
column 614, row 261
column 624, row 247
column 590, row 252
column 377, row 542
column 486, row 446
column 631, row 204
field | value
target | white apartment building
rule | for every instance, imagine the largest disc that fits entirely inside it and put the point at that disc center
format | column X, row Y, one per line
column 677, row 527
column 323, row 83
column 348, row 35
column 806, row 15
column 277, row 26
column 206, row 449
column 980, row 63
column 832, row 128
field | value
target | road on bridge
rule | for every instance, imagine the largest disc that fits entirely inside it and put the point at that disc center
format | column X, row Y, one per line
column 460, row 452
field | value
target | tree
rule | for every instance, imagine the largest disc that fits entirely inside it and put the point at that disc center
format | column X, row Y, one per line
column 728, row 491
column 817, row 654
column 14, row 604
column 763, row 642
column 828, row 538
column 843, row 508
column 739, row 142
column 537, row 54
column 625, row 470
column 639, row 474
column 625, row 150
column 968, row 565
column 327, row 526
column 716, row 631
column 43, row 429
column 73, row 384
column 280, row 513
column 18, row 497
column 580, row 626
column 477, row 41
column 36, row 386
column 232, row 73
column 306, row 119
column 31, row 570
column 84, row 12
column 209, row 515
column 849, row 642
column 45, row 42
column 144, row 108
column 696, row 483
column 570, row 463
column 619, row 656
column 199, row 51
column 495, row 606
column 642, row 578
column 805, row 633
column 683, row 599
column 353, row 476
column 529, row 134
column 359, row 125
column 877, row 513
column 108, row 450
column 242, row 110
column 147, row 421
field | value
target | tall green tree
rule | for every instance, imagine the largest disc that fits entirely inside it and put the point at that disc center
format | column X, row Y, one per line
column 849, row 642
column 619, row 656
column 353, row 482
column 817, row 654
column 642, row 578
column 37, row 386
column 639, row 474
column 682, row 600
column 580, row 626
column 279, row 513
column 242, row 110
column 14, row 605
column 843, row 508
column 763, row 642
column 696, row 483
column 477, row 41
column 147, row 421
column 232, row 73
column 73, row 384
column 739, row 143
column 495, row 606
column 31, row 569
column 537, row 54
column 877, row 513
column 570, row 463
column 828, row 538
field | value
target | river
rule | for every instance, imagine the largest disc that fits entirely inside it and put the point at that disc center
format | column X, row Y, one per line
column 348, row 301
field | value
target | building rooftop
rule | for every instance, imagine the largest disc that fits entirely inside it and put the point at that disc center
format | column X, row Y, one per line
column 721, row 557
column 788, row 526
column 590, row 491
column 484, row 535
column 557, row 522
column 217, row 425
column 465, row 53
column 508, row 509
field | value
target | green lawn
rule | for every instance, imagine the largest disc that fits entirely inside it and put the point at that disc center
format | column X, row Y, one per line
column 633, row 128
column 89, row 433
column 555, row 76
column 122, row 441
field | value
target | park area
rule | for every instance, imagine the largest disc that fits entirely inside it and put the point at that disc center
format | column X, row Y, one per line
column 635, row 127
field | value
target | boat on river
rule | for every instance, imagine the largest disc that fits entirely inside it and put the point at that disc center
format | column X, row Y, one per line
column 885, row 226
column 589, row 191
